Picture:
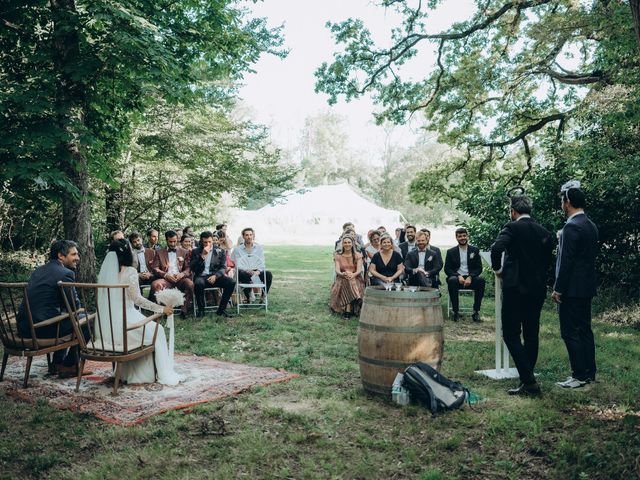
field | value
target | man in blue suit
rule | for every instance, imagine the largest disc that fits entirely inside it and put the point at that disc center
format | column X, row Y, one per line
column 45, row 301
column 575, row 286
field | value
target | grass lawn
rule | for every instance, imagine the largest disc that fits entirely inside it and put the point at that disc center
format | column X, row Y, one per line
column 324, row 425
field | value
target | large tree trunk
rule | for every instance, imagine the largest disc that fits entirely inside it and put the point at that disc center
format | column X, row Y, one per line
column 635, row 12
column 70, row 103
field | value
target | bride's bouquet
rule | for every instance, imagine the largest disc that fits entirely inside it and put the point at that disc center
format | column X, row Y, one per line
column 170, row 296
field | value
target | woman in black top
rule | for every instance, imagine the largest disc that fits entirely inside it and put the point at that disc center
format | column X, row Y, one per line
column 386, row 265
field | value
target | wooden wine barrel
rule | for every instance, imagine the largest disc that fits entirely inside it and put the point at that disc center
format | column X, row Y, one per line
column 395, row 330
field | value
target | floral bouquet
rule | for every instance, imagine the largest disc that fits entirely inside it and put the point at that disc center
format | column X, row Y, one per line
column 174, row 298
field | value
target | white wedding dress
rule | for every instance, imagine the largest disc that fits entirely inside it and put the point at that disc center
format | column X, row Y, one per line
column 140, row 370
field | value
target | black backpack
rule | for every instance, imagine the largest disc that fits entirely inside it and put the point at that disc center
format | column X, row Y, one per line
column 432, row 389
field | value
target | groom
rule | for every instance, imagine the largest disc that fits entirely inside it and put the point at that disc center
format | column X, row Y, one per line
column 171, row 268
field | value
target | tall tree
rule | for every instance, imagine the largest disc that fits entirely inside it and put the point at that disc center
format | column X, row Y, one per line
column 76, row 72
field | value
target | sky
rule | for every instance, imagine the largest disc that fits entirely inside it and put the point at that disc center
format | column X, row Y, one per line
column 281, row 92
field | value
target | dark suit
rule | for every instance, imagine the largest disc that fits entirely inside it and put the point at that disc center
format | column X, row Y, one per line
column 474, row 264
column 576, row 282
column 404, row 248
column 161, row 268
column 217, row 268
column 46, row 301
column 432, row 265
column 528, row 249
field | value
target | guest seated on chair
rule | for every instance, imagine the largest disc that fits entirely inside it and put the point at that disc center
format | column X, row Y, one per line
column 171, row 266
column 463, row 267
column 225, row 241
column 208, row 264
column 46, row 301
column 152, row 240
column 186, row 242
column 249, row 260
column 145, row 257
column 374, row 243
column 410, row 242
column 423, row 264
column 348, row 287
column 436, row 279
column 386, row 265
column 225, row 245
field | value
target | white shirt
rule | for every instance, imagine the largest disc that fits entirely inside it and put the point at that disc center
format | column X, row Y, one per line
column 421, row 258
column 207, row 262
column 411, row 246
column 248, row 260
column 173, row 263
column 141, row 261
column 464, row 267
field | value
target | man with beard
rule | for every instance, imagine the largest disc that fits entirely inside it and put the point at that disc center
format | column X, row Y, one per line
column 144, row 257
column 423, row 264
column 463, row 267
column 528, row 249
column 152, row 243
column 410, row 243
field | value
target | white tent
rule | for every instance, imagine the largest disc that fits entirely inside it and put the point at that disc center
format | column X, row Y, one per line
column 313, row 216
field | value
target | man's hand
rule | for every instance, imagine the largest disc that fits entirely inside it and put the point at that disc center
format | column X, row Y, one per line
column 144, row 275
column 420, row 269
column 212, row 279
column 170, row 278
column 255, row 272
column 556, row 297
column 205, row 251
column 461, row 280
column 467, row 281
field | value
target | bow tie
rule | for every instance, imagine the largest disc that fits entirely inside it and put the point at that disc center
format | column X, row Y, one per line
column 172, row 250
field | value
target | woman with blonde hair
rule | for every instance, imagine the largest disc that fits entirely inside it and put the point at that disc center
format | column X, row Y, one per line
column 386, row 265
column 348, row 287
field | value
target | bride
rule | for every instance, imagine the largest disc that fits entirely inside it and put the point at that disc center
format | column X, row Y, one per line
column 117, row 269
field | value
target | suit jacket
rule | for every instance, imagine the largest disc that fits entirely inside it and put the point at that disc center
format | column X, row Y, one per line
column 432, row 262
column 45, row 297
column 217, row 266
column 576, row 262
column 452, row 262
column 161, row 262
column 404, row 249
column 149, row 257
column 528, row 250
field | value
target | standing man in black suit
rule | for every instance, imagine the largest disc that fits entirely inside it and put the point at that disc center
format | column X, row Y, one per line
column 575, row 285
column 463, row 267
column 423, row 264
column 528, row 249
column 208, row 265
column 46, row 301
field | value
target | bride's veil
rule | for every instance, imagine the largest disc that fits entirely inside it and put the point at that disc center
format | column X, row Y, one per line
column 110, row 304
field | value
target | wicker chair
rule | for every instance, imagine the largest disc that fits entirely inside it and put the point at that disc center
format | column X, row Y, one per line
column 95, row 348
column 11, row 296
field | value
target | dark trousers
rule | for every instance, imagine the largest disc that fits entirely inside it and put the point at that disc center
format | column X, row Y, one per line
column 477, row 285
column 225, row 283
column 521, row 314
column 67, row 357
column 421, row 280
column 245, row 277
column 184, row 285
column 575, row 328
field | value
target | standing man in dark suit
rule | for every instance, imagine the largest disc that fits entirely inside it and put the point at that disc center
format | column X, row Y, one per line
column 528, row 248
column 423, row 264
column 209, row 264
column 171, row 267
column 463, row 267
column 575, row 285
column 410, row 243
column 46, row 301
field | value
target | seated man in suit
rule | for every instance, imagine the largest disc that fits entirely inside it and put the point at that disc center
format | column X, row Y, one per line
column 144, row 257
column 46, row 301
column 171, row 267
column 249, row 259
column 436, row 280
column 463, row 267
column 423, row 265
column 410, row 242
column 208, row 264
column 152, row 235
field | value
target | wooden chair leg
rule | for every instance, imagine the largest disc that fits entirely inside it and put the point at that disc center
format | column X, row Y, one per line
column 117, row 379
column 49, row 367
column 5, row 357
column 26, row 372
column 80, row 370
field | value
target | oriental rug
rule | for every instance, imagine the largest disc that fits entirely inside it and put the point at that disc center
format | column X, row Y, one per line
column 206, row 379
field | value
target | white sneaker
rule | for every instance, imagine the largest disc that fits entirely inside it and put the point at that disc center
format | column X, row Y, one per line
column 571, row 383
column 252, row 297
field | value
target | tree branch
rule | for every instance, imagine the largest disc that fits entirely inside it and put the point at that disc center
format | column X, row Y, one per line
column 527, row 131
column 571, row 78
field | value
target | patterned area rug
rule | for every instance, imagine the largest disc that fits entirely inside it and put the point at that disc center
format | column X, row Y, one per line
column 206, row 379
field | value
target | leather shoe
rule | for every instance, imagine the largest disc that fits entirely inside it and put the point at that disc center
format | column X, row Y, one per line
column 525, row 389
column 225, row 314
column 456, row 316
column 476, row 317
column 200, row 314
column 71, row 371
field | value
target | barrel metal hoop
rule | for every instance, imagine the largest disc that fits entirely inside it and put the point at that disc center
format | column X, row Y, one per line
column 392, row 329
column 422, row 303
column 385, row 363
column 374, row 387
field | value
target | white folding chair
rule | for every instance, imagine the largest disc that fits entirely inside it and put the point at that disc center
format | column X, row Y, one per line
column 464, row 305
column 212, row 305
column 241, row 298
